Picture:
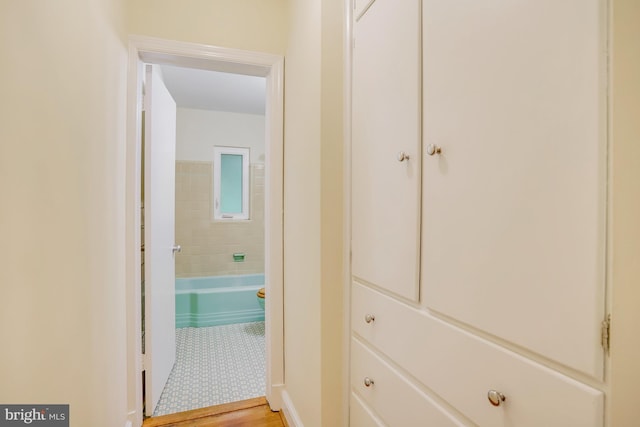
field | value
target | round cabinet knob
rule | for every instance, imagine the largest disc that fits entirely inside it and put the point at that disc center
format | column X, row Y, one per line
column 369, row 318
column 433, row 149
column 368, row 382
column 402, row 156
column 495, row 397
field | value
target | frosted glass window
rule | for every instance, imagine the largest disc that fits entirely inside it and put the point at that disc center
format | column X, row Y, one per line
column 231, row 183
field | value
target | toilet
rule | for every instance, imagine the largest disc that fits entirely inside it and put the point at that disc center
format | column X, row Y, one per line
column 260, row 295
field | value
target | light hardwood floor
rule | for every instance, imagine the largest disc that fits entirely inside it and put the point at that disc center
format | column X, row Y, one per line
column 246, row 413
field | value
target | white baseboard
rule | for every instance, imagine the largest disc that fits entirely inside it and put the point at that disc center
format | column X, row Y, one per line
column 134, row 419
column 289, row 411
column 274, row 396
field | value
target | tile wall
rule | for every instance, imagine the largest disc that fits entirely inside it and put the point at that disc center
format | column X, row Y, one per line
column 208, row 246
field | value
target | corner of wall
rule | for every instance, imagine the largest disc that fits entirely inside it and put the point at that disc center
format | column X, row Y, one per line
column 289, row 411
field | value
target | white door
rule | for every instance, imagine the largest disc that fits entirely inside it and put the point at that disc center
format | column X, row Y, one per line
column 514, row 205
column 386, row 141
column 159, row 196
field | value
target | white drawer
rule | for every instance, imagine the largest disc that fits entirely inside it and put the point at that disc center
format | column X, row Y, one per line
column 461, row 368
column 393, row 397
column 360, row 415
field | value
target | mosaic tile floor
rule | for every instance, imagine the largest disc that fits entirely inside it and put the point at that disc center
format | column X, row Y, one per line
column 214, row 365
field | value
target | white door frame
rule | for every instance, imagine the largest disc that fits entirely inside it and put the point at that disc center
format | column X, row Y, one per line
column 190, row 55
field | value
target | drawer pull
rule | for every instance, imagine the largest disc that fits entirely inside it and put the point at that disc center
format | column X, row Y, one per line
column 433, row 149
column 369, row 318
column 368, row 382
column 402, row 156
column 495, row 397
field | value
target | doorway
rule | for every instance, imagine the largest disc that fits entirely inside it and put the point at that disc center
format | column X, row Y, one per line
column 270, row 67
column 219, row 226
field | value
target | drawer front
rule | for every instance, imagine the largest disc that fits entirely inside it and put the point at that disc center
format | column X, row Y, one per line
column 360, row 415
column 462, row 368
column 393, row 397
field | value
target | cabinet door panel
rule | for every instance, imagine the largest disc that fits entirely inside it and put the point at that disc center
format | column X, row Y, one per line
column 515, row 204
column 386, row 121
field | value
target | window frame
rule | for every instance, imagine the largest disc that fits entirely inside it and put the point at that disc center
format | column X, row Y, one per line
column 218, row 152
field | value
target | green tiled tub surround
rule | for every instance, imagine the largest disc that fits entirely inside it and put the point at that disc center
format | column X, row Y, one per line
column 218, row 300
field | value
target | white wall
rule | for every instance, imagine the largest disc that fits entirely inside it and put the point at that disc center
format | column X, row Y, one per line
column 625, row 218
column 302, row 211
column 257, row 25
column 62, row 135
column 197, row 131
column 332, row 213
column 314, row 212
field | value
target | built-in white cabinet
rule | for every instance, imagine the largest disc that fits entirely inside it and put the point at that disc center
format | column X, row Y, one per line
column 478, row 212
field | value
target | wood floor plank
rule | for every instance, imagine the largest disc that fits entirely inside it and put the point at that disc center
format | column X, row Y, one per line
column 246, row 413
column 283, row 419
column 260, row 416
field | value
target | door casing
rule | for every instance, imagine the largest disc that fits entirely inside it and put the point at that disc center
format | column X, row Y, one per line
column 159, row 51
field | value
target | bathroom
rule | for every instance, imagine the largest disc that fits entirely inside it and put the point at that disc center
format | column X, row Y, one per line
column 219, row 225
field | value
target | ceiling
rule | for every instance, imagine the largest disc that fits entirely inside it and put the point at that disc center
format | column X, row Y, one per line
column 213, row 90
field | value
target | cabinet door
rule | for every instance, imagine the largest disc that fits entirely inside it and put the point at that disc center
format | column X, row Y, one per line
column 386, row 140
column 515, row 203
